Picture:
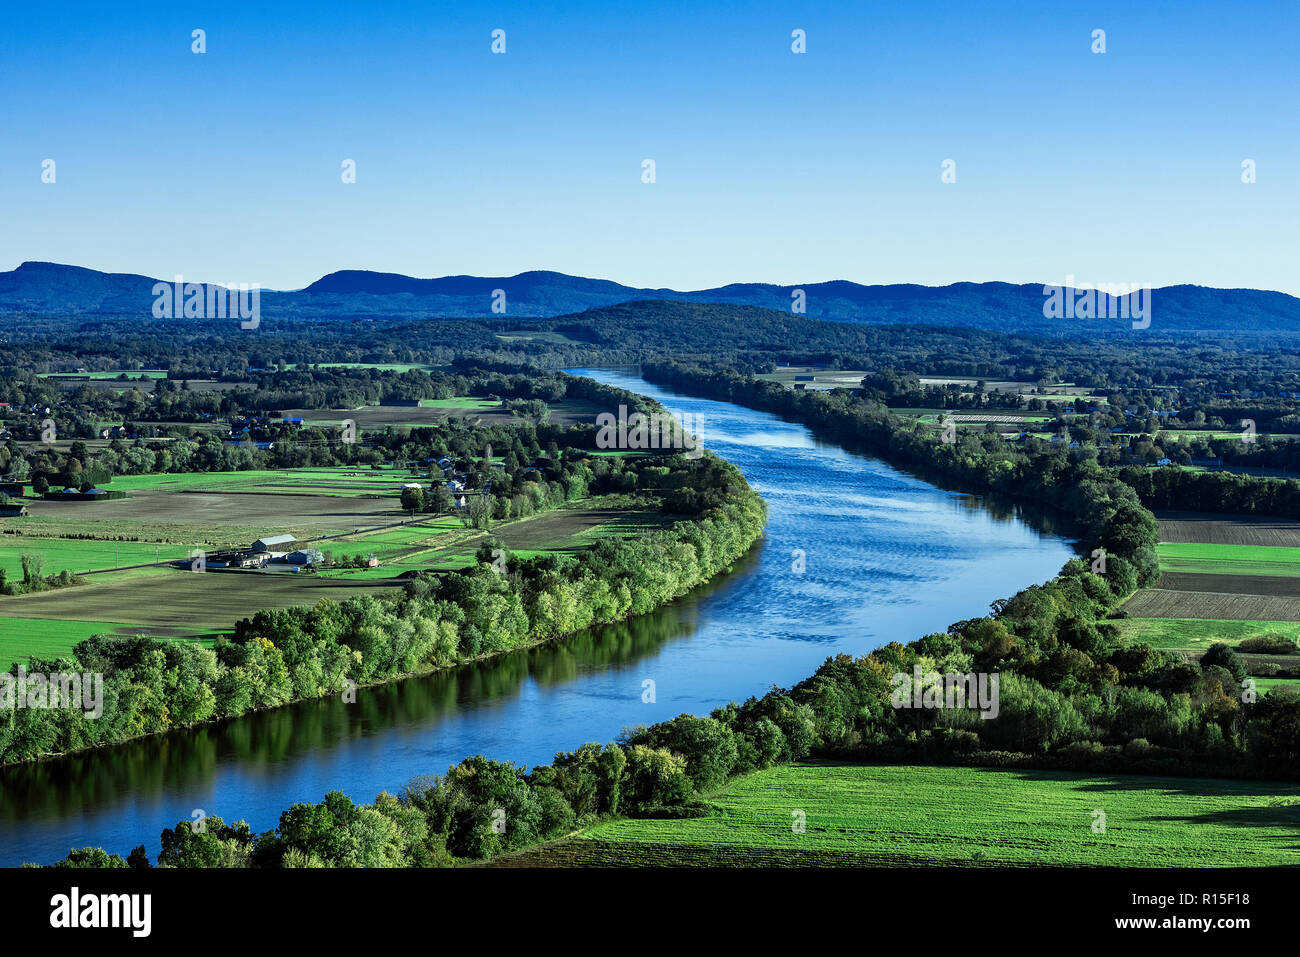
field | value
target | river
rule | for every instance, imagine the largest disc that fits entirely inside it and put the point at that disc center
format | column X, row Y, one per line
column 885, row 557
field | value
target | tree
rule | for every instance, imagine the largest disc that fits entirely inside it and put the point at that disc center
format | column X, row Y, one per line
column 439, row 500
column 413, row 498
column 1224, row 657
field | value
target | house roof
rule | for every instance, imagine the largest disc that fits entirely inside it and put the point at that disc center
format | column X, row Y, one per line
column 274, row 540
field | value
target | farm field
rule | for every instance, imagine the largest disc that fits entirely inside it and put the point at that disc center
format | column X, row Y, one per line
column 1283, row 586
column 23, row 637
column 1224, row 578
column 1198, row 634
column 573, row 528
column 74, row 555
column 1205, row 559
column 1210, row 529
column 429, row 412
column 1167, row 603
column 178, row 601
column 211, row 518
column 868, row 815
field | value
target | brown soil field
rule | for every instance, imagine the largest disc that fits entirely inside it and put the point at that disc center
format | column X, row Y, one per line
column 576, row 412
column 1211, row 529
column 1280, row 585
column 278, row 512
column 1164, row 603
column 183, row 600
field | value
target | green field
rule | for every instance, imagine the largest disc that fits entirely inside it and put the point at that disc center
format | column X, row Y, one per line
column 461, row 402
column 315, row 481
column 1273, row 684
column 133, row 373
column 1228, row 559
column 1199, row 634
column 22, row 637
column 79, row 555
column 909, row 815
column 381, row 366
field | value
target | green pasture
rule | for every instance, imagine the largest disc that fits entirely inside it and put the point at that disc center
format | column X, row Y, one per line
column 940, row 816
column 1229, row 559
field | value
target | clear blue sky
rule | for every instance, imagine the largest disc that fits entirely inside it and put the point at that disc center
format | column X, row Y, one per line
column 771, row 166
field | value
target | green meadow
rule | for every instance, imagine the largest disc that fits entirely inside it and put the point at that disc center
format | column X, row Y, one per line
column 47, row 637
column 1277, row 684
column 81, row 555
column 461, row 402
column 1198, row 633
column 909, row 815
column 1228, row 559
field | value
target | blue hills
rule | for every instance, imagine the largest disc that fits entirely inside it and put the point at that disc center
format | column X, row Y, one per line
column 54, row 290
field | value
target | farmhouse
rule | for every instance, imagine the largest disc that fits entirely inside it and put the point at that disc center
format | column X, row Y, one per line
column 269, row 543
column 13, row 511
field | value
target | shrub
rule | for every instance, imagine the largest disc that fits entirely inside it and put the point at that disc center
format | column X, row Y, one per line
column 1268, row 645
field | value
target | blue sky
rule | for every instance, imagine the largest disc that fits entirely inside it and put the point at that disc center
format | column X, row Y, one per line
column 771, row 166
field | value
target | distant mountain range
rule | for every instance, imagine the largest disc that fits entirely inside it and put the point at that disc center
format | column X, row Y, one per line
column 50, row 289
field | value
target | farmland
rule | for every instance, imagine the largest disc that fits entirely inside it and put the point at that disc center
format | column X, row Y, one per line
column 178, row 602
column 1223, row 579
column 866, row 815
column 343, row 511
column 1199, row 633
column 1204, row 559
column 1208, row 529
column 23, row 637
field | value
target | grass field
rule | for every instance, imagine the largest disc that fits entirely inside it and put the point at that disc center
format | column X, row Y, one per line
column 1271, row 684
column 74, row 555
column 382, row 366
column 23, row 637
column 1187, row 633
column 1200, row 558
column 909, row 815
column 317, row 481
